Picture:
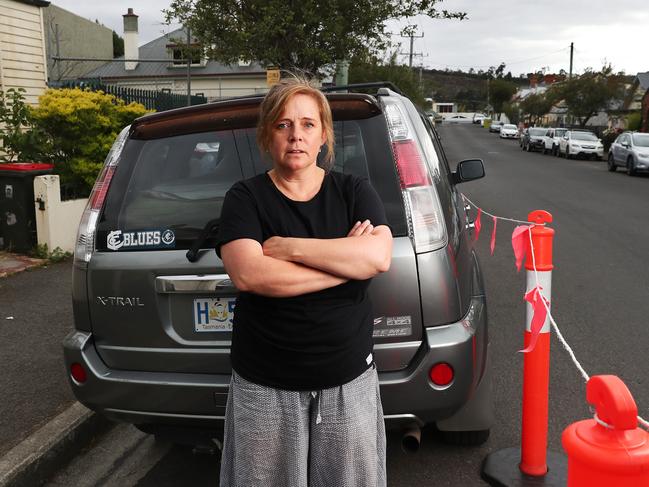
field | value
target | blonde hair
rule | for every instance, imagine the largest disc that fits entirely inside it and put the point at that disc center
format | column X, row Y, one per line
column 274, row 103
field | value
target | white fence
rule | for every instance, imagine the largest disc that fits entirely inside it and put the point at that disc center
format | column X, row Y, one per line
column 56, row 220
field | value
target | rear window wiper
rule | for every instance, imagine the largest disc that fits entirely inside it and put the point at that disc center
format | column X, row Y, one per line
column 210, row 228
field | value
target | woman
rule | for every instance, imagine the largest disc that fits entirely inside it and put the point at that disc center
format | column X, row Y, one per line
column 301, row 244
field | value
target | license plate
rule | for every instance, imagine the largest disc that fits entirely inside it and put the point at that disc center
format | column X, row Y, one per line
column 213, row 314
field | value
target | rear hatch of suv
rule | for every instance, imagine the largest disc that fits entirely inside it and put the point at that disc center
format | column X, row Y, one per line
column 150, row 308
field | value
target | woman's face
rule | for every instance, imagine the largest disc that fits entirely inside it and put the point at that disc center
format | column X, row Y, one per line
column 298, row 134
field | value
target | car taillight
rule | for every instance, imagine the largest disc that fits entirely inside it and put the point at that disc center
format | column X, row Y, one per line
column 78, row 373
column 85, row 243
column 441, row 374
column 426, row 225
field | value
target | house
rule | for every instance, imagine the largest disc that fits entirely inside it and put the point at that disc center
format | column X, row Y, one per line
column 68, row 35
column 22, row 47
column 168, row 71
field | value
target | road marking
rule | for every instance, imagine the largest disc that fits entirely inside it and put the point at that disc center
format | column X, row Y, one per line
column 493, row 152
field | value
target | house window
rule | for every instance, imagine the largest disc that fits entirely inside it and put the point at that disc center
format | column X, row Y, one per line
column 179, row 54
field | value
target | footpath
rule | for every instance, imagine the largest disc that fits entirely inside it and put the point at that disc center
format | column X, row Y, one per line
column 42, row 426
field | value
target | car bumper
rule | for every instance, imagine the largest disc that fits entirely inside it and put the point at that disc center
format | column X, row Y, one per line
column 199, row 400
column 642, row 165
column 574, row 151
column 536, row 144
column 508, row 136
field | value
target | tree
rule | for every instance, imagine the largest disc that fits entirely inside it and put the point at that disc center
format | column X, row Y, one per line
column 500, row 91
column 309, row 35
column 118, row 45
column 536, row 105
column 589, row 93
column 512, row 111
column 368, row 68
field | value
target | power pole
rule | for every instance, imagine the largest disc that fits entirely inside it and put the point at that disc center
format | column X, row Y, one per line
column 412, row 42
column 189, row 68
column 572, row 47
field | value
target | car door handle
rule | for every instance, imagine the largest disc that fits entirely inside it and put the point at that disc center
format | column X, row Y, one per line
column 206, row 283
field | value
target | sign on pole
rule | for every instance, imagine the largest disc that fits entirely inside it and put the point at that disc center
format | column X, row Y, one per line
column 272, row 76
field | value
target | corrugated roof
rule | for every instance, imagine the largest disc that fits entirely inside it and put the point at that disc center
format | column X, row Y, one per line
column 643, row 79
column 157, row 49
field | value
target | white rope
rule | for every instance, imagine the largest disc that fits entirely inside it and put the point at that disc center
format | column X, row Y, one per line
column 494, row 216
column 642, row 422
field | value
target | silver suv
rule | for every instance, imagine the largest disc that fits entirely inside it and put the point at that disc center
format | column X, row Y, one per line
column 631, row 151
column 153, row 305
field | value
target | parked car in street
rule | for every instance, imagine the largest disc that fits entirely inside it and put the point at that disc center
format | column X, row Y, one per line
column 495, row 126
column 533, row 139
column 479, row 117
column 154, row 306
column 631, row 151
column 575, row 143
column 509, row 131
column 552, row 137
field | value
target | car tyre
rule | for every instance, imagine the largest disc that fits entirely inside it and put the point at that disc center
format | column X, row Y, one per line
column 465, row 438
column 611, row 163
column 630, row 167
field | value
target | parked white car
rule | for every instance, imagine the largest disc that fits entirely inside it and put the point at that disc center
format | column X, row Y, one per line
column 581, row 143
column 552, row 138
column 509, row 131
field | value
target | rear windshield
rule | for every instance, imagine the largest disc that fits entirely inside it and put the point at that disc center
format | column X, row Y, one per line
column 178, row 183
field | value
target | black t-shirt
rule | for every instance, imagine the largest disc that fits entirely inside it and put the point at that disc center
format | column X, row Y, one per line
column 315, row 340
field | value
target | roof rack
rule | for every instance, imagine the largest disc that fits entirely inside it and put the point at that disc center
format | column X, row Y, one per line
column 357, row 86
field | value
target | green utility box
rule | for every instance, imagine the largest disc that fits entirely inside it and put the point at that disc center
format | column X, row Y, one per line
column 17, row 213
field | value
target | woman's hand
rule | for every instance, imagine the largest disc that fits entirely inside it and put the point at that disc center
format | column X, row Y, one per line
column 361, row 228
column 278, row 248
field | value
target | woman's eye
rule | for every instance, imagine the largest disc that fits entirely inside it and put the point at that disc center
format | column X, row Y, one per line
column 282, row 125
column 309, row 124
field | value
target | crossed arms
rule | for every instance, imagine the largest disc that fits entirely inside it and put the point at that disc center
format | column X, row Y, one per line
column 286, row 266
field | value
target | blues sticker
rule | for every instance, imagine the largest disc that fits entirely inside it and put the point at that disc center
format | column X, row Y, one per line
column 141, row 239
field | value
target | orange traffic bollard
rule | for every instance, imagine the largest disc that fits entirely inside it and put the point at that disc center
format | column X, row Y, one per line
column 609, row 450
column 536, row 364
column 532, row 464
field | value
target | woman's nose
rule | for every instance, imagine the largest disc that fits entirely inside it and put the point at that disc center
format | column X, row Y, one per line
column 295, row 133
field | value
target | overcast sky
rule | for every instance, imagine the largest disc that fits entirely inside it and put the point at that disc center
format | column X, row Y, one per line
column 527, row 35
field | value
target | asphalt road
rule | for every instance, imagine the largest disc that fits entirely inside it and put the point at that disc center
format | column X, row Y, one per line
column 35, row 316
column 599, row 299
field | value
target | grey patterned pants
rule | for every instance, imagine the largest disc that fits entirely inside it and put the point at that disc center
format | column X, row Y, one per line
column 277, row 438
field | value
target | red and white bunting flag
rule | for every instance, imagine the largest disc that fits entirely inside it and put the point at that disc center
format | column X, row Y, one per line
column 478, row 224
column 519, row 243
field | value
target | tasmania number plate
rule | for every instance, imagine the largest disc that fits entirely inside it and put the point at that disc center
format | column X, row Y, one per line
column 213, row 314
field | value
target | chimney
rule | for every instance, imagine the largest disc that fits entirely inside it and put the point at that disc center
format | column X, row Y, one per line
column 131, row 50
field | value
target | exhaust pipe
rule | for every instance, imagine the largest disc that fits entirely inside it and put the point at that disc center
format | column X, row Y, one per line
column 411, row 438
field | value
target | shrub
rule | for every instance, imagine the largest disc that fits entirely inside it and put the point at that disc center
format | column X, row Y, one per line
column 634, row 121
column 81, row 126
column 21, row 141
